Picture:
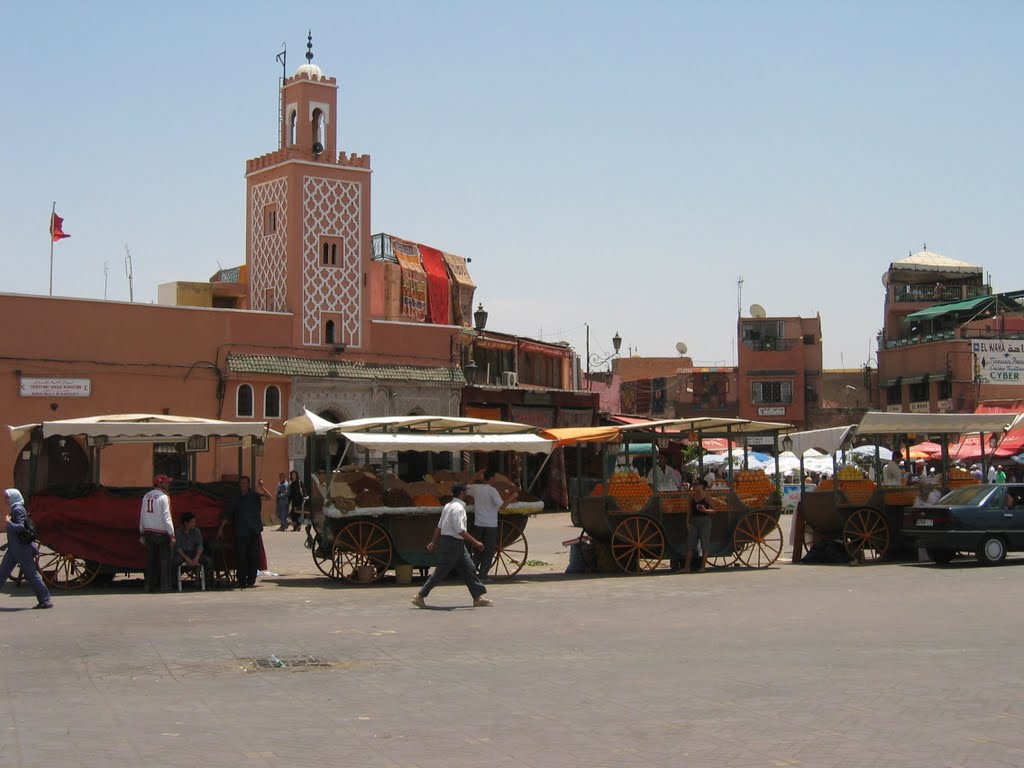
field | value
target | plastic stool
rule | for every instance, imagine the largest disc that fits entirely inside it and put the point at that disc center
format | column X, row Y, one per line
column 202, row 575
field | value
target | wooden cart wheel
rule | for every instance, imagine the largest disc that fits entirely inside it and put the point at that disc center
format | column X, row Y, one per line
column 638, row 544
column 866, row 534
column 722, row 561
column 757, row 540
column 63, row 571
column 361, row 543
column 323, row 557
column 510, row 556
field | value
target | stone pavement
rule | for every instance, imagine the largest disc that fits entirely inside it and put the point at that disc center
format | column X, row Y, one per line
column 825, row 666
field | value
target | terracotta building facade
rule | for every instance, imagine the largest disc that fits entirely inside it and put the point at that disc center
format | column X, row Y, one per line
column 303, row 324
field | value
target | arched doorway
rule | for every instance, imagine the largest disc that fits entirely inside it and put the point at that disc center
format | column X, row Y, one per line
column 61, row 462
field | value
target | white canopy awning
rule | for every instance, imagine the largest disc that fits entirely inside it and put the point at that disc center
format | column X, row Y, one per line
column 879, row 423
column 710, row 426
column 311, row 424
column 390, row 442
column 828, row 440
column 434, row 434
column 144, row 427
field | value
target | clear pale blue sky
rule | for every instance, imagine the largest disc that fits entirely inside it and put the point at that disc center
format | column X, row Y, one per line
column 617, row 164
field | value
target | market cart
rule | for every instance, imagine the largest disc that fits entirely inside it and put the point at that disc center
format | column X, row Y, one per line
column 641, row 528
column 91, row 529
column 867, row 517
column 358, row 543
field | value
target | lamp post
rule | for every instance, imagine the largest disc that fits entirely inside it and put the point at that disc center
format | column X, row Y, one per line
column 596, row 359
column 480, row 317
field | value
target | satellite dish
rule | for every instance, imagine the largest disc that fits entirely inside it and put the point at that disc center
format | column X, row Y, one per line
column 681, row 348
column 318, row 148
column 756, row 310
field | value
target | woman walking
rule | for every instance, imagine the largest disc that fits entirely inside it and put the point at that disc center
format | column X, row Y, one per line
column 283, row 501
column 20, row 552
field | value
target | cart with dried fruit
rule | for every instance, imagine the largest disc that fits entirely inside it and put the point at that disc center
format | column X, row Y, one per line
column 639, row 529
column 867, row 517
column 366, row 520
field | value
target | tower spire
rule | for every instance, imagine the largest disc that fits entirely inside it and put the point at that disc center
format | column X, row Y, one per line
column 309, row 47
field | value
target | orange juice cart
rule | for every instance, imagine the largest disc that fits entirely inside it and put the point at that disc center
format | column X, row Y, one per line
column 641, row 528
column 867, row 516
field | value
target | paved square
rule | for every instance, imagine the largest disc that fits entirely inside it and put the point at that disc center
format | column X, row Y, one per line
column 892, row 665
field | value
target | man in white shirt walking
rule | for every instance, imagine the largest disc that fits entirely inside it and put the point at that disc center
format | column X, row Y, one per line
column 487, row 502
column 157, row 531
column 450, row 538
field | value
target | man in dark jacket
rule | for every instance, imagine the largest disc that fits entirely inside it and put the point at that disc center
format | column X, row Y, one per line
column 245, row 513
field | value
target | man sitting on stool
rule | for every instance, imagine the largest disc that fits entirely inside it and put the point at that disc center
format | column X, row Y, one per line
column 189, row 551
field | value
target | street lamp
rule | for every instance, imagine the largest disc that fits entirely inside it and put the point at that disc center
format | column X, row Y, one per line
column 596, row 359
column 480, row 317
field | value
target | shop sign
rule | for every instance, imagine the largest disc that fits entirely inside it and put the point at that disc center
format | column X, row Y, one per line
column 772, row 410
column 791, row 494
column 39, row 386
column 998, row 361
column 944, row 406
column 894, row 408
column 920, row 407
column 760, row 440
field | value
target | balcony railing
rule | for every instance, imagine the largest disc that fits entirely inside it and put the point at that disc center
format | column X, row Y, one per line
column 938, row 294
column 961, row 333
column 770, row 344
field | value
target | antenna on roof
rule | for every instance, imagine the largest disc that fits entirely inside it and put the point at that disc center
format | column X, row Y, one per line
column 283, row 58
column 128, row 271
column 739, row 296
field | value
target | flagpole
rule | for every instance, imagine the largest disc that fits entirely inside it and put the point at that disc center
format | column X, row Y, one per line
column 53, row 212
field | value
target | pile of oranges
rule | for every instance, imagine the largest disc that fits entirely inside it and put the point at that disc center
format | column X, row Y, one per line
column 857, row 488
column 959, row 476
column 753, row 487
column 630, row 492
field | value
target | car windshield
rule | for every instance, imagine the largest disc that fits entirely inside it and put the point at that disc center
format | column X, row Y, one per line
column 968, row 496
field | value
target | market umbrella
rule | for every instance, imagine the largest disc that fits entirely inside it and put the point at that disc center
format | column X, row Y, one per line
column 928, row 448
column 869, row 450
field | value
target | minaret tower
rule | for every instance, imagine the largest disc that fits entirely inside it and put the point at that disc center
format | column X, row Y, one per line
column 308, row 220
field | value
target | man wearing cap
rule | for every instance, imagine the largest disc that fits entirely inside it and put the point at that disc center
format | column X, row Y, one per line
column 157, row 531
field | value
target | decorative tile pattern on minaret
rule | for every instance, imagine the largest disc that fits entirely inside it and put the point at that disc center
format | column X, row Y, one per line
column 268, row 264
column 331, row 208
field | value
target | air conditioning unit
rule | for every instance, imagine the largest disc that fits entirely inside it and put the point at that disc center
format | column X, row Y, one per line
column 509, row 379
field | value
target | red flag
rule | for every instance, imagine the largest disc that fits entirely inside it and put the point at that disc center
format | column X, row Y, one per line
column 56, row 228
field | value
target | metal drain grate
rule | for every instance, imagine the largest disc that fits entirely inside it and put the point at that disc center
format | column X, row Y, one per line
column 260, row 663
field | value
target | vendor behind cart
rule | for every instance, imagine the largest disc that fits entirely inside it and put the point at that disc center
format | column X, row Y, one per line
column 663, row 477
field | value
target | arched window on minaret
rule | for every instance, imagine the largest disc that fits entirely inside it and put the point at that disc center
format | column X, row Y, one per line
column 329, row 332
column 319, row 128
column 293, row 128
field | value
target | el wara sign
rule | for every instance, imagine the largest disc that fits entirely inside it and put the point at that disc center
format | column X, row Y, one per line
column 998, row 361
column 39, row 386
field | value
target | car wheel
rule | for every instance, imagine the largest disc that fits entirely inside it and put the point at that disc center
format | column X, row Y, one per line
column 992, row 550
column 941, row 556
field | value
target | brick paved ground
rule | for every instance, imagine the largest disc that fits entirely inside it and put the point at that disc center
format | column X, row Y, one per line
column 895, row 665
